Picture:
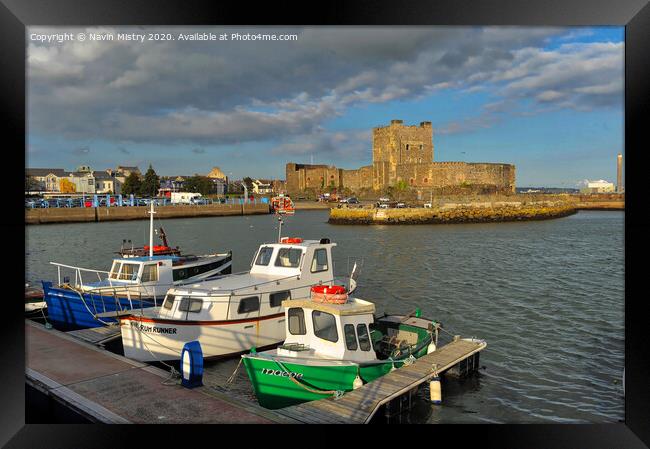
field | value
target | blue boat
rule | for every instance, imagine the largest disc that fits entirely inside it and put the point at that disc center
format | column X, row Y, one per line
column 132, row 283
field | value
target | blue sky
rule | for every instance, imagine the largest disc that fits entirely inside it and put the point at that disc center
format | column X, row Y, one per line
column 549, row 100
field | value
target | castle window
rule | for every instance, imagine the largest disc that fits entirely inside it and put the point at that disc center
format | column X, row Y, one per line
column 332, row 177
column 412, row 181
column 426, row 179
column 421, row 146
column 407, row 147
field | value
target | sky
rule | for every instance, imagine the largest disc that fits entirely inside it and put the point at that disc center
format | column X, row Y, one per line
column 549, row 100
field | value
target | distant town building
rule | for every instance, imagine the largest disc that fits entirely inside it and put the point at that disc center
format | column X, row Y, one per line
column 600, row 186
column 219, row 181
column 106, row 183
column 262, row 187
column 44, row 179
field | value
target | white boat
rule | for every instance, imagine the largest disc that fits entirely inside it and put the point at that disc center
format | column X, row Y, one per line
column 232, row 313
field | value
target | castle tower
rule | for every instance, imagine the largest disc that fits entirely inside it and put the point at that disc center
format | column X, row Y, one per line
column 619, row 173
column 398, row 144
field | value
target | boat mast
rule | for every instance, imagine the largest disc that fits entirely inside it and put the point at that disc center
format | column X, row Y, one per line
column 151, row 212
column 280, row 228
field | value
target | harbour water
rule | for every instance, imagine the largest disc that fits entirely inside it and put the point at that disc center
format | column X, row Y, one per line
column 548, row 296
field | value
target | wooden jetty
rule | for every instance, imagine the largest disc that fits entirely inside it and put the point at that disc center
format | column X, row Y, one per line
column 108, row 388
column 393, row 389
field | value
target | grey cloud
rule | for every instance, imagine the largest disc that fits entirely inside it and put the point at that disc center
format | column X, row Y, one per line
column 198, row 151
column 226, row 92
column 81, row 151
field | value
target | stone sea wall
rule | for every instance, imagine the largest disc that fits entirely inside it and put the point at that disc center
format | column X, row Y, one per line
column 470, row 212
column 80, row 214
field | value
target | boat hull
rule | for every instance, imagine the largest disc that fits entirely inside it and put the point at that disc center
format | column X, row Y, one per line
column 69, row 310
column 147, row 340
column 312, row 381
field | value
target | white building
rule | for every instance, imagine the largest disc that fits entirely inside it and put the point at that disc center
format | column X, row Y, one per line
column 600, row 186
column 262, row 187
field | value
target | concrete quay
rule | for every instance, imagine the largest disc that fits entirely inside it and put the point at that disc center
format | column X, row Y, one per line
column 103, row 387
column 115, row 213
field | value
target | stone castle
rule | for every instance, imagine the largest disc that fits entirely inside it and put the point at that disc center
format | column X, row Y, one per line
column 402, row 155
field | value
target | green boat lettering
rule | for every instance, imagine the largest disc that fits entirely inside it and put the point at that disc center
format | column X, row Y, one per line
column 279, row 372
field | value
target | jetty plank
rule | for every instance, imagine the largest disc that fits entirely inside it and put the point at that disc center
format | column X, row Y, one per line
column 97, row 335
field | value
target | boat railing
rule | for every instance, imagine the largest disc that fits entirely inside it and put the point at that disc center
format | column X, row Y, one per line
column 77, row 270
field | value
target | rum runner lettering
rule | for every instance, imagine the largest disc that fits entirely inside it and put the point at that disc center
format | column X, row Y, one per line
column 153, row 329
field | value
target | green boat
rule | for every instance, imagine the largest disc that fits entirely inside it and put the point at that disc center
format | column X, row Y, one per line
column 332, row 348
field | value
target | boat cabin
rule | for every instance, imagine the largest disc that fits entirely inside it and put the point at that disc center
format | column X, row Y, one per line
column 309, row 259
column 325, row 330
column 142, row 270
column 279, row 272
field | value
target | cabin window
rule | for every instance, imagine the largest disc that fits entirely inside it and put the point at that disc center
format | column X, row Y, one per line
column 184, row 273
column 320, row 261
column 129, row 272
column 288, row 257
column 364, row 338
column 297, row 321
column 150, row 273
column 190, row 305
column 169, row 301
column 250, row 304
column 114, row 270
column 325, row 326
column 264, row 257
column 350, row 337
column 275, row 299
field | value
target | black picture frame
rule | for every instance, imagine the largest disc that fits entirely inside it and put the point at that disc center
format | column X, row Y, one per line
column 633, row 14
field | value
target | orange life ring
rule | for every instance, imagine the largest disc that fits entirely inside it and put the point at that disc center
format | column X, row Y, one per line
column 291, row 240
column 335, row 294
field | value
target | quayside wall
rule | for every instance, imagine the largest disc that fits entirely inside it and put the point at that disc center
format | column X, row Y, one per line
column 475, row 212
column 100, row 214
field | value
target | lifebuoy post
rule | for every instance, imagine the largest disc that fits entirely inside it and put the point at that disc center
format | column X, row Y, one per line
column 192, row 365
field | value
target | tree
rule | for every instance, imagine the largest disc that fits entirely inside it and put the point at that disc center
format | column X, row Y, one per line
column 200, row 184
column 31, row 184
column 249, row 183
column 151, row 183
column 67, row 186
column 132, row 184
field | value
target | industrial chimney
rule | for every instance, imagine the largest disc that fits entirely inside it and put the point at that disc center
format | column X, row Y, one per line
column 619, row 173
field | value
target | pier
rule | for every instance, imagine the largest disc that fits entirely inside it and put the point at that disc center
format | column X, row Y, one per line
column 392, row 390
column 104, row 387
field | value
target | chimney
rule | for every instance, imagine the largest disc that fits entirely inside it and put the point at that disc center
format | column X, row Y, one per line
column 619, row 173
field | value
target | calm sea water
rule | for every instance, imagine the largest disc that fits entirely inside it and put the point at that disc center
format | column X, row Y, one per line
column 547, row 296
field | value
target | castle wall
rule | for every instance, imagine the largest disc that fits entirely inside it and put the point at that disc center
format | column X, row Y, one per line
column 440, row 174
column 357, row 179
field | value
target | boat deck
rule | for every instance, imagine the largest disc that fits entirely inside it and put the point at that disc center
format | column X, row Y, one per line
column 108, row 388
column 360, row 405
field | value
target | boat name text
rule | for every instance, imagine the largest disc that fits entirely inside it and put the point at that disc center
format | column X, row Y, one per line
column 154, row 329
column 279, row 372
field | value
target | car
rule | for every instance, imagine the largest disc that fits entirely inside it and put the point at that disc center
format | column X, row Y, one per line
column 384, row 199
column 401, row 205
column 427, row 205
column 343, row 200
column 383, row 206
column 353, row 200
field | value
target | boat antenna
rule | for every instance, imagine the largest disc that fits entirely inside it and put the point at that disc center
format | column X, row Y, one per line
column 151, row 212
